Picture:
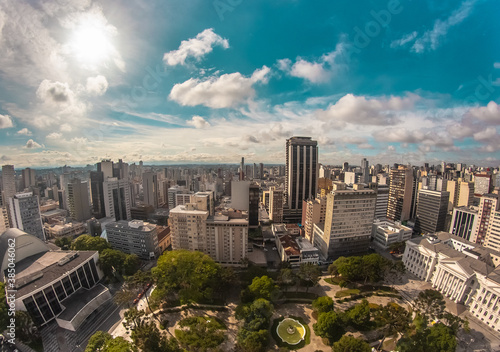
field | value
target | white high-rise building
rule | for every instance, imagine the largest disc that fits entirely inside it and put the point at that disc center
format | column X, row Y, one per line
column 117, row 200
column 25, row 214
column 276, row 205
column 79, row 200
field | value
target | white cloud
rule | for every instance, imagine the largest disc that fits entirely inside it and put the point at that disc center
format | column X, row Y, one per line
column 316, row 72
column 496, row 65
column 423, row 137
column 431, row 39
column 227, row 90
column 31, row 144
column 5, row 121
column 65, row 128
column 366, row 111
column 54, row 135
column 485, row 135
column 54, row 92
column 404, row 40
column 195, row 47
column 198, row 122
column 24, row 132
column 97, row 85
column 489, row 113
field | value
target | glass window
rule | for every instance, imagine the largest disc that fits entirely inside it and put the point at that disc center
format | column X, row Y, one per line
column 58, row 287
column 86, row 267
column 33, row 311
column 67, row 285
column 83, row 278
column 74, row 280
column 52, row 299
column 43, row 306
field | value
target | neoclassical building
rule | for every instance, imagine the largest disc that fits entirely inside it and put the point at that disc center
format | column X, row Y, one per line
column 465, row 272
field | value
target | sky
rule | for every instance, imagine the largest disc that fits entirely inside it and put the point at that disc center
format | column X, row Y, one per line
column 197, row 81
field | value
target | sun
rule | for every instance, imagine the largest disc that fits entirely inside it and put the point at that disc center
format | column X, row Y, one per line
column 91, row 44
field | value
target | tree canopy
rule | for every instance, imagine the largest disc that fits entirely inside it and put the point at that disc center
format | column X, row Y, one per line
column 360, row 268
column 253, row 336
column 310, row 273
column 103, row 342
column 322, row 304
column 330, row 325
column 262, row 287
column 438, row 337
column 359, row 315
column 351, row 344
column 200, row 333
column 89, row 243
column 191, row 276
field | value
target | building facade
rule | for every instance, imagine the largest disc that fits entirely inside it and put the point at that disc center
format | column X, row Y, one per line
column 78, row 200
column 385, row 233
column 432, row 208
column 117, row 199
column 464, row 222
column 276, row 205
column 400, row 193
column 25, row 214
column 134, row 237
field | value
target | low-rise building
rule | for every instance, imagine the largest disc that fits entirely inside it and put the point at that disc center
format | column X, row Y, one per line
column 465, row 272
column 53, row 285
column 71, row 229
column 296, row 250
column 134, row 237
column 386, row 232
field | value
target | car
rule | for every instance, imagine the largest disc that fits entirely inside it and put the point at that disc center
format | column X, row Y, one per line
column 136, row 300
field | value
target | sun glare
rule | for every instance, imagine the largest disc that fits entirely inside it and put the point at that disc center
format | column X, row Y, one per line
column 91, row 44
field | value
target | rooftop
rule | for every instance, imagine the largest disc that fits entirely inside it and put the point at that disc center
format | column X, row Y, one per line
column 78, row 300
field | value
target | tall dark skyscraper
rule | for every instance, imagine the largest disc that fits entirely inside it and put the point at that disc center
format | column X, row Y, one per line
column 301, row 171
column 97, row 192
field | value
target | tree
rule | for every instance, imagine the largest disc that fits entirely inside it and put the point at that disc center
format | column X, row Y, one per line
column 435, row 338
column 310, row 273
column 63, row 242
column 374, row 266
column 394, row 272
column 148, row 337
column 4, row 310
column 202, row 334
column 333, row 270
column 103, row 342
column 359, row 315
column 322, row 304
column 342, row 284
column 131, row 264
column 252, row 341
column 330, row 326
column 111, row 261
column 398, row 247
column 89, row 243
column 190, row 276
column 350, row 344
column 26, row 329
column 430, row 305
column 350, row 268
column 263, row 287
column 139, row 281
column 286, row 278
column 394, row 318
column 126, row 295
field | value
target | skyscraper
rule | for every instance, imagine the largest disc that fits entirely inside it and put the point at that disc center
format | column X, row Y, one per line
column 276, row 205
column 117, row 200
column 97, row 192
column 8, row 183
column 78, row 200
column 29, row 177
column 400, row 193
column 488, row 205
column 348, row 221
column 432, row 208
column 301, row 171
column 25, row 214
column 150, row 188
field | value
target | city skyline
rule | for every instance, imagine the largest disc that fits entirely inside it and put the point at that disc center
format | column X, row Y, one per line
column 211, row 82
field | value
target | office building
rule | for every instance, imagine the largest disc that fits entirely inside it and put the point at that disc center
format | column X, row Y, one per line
column 253, row 205
column 150, row 188
column 226, row 239
column 382, row 200
column 400, row 193
column 8, row 183
column 172, row 192
column 78, row 200
column 348, row 221
column 276, row 205
column 188, row 227
column 432, row 208
column 204, row 201
column 313, row 212
column 482, row 184
column 301, row 171
column 25, row 214
column 134, row 237
column 464, row 222
column 106, row 167
column 240, row 195
column 365, row 171
column 492, row 239
column 97, row 194
column 4, row 218
column 385, row 233
column 117, row 200
column 29, row 178
column 488, row 205
column 54, row 285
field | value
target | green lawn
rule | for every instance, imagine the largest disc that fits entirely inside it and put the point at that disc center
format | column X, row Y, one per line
column 345, row 293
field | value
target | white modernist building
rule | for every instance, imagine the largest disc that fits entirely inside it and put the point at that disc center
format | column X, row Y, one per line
column 386, row 232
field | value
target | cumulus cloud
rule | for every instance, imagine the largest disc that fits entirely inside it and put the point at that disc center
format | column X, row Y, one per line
column 5, row 121
column 431, row 39
column 227, row 90
column 198, row 122
column 366, row 111
column 489, row 113
column 54, row 135
column 485, row 135
column 319, row 71
column 65, row 128
column 24, row 132
column 31, row 144
column 97, row 85
column 403, row 135
column 197, row 47
column 54, row 92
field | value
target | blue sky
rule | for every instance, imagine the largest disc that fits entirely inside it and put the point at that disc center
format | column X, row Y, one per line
column 214, row 81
